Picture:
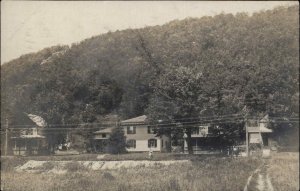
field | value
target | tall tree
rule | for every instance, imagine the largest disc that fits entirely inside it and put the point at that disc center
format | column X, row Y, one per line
column 117, row 141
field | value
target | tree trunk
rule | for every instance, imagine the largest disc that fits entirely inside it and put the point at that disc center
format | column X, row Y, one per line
column 189, row 140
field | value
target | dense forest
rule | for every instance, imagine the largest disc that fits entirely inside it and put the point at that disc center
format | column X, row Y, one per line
column 194, row 67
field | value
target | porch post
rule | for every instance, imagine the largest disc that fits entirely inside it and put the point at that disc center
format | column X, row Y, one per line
column 247, row 141
column 25, row 150
column 196, row 145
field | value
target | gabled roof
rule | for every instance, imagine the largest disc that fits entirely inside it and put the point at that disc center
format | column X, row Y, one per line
column 265, row 118
column 139, row 119
column 262, row 126
column 263, row 129
column 38, row 120
column 107, row 130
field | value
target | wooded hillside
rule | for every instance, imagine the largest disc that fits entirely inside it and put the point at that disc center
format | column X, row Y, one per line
column 219, row 64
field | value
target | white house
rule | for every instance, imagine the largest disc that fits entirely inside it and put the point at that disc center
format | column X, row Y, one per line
column 259, row 135
column 258, row 131
column 140, row 137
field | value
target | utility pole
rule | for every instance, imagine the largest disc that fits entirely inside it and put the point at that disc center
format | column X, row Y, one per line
column 6, row 137
column 247, row 139
column 247, row 134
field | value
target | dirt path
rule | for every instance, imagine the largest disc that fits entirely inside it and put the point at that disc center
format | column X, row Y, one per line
column 264, row 183
column 259, row 180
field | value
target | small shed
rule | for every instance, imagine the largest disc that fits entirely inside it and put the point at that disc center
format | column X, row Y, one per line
column 259, row 135
column 259, row 132
column 100, row 139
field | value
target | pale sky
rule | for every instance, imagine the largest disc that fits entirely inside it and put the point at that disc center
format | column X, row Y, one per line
column 29, row 26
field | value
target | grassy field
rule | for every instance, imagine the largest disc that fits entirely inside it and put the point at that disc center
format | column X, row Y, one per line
column 284, row 171
column 203, row 173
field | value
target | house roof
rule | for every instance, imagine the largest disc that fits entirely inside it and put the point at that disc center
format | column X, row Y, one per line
column 111, row 117
column 139, row 119
column 39, row 121
column 265, row 118
column 107, row 130
column 263, row 129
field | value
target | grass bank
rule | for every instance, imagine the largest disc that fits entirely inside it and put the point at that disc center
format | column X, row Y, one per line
column 207, row 173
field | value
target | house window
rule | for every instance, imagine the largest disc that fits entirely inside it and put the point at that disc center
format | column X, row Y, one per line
column 150, row 130
column 103, row 135
column 195, row 131
column 252, row 123
column 203, row 130
column 152, row 143
column 131, row 130
column 34, row 131
column 162, row 144
column 131, row 143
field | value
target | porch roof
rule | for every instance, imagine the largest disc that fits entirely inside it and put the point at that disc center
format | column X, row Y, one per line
column 29, row 137
column 259, row 129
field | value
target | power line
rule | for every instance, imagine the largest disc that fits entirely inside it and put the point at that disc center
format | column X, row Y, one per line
column 228, row 116
column 220, row 116
column 68, row 124
column 222, row 120
column 115, row 123
column 168, row 125
column 175, row 121
column 110, row 123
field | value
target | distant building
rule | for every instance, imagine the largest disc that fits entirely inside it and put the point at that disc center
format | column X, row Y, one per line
column 203, row 141
column 29, row 142
column 100, row 140
column 259, row 135
column 140, row 137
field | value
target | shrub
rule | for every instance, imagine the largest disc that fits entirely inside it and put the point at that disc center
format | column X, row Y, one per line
column 117, row 141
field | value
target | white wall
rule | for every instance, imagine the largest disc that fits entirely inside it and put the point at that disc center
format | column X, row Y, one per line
column 142, row 146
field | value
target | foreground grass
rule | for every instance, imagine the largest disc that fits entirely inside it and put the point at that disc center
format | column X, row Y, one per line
column 284, row 171
column 205, row 174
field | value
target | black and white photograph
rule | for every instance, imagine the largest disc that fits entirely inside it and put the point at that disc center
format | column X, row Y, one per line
column 149, row 95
